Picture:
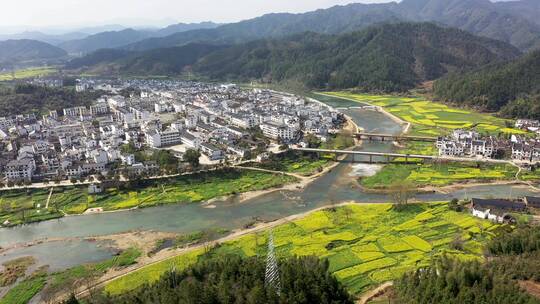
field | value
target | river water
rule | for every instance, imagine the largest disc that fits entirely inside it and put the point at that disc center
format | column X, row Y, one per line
column 336, row 186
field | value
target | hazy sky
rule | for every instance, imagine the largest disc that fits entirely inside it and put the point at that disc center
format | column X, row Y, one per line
column 47, row 13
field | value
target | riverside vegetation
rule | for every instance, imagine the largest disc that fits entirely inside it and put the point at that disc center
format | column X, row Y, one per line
column 50, row 284
column 25, row 206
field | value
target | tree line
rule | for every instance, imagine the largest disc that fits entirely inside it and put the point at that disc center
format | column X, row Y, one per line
column 27, row 98
column 232, row 279
column 514, row 256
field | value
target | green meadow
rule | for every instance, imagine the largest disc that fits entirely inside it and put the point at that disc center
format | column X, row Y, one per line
column 27, row 73
column 364, row 244
column 434, row 119
column 23, row 206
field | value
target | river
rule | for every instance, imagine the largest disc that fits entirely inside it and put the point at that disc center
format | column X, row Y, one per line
column 336, row 186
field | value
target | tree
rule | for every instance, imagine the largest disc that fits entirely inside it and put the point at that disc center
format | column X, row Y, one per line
column 455, row 206
column 192, row 157
column 400, row 193
column 312, row 141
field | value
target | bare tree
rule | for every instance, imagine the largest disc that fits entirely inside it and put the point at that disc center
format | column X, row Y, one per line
column 400, row 193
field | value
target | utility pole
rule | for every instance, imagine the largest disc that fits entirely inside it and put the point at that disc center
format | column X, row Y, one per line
column 272, row 271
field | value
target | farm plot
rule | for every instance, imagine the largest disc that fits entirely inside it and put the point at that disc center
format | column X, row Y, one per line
column 365, row 245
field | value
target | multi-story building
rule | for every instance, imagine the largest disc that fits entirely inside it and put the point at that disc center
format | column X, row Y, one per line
column 99, row 109
column 158, row 139
column 190, row 141
column 75, row 111
column 277, row 131
column 21, row 169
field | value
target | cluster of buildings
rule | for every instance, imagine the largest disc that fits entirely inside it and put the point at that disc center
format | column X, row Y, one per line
column 466, row 143
column 221, row 121
column 500, row 210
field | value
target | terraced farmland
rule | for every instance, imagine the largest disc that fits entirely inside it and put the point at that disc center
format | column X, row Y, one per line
column 364, row 244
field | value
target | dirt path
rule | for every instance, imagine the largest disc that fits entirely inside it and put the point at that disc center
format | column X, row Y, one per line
column 49, row 198
column 531, row 287
column 374, row 293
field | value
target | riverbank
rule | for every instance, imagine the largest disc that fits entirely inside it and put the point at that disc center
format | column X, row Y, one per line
column 30, row 206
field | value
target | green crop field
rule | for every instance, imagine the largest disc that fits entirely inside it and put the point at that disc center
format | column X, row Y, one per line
column 364, row 244
column 433, row 119
column 21, row 206
column 27, row 73
column 438, row 174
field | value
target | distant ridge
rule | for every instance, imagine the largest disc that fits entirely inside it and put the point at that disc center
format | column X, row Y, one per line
column 25, row 49
column 481, row 17
column 115, row 39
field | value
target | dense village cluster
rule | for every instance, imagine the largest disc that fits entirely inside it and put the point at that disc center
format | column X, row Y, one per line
column 467, row 143
column 221, row 122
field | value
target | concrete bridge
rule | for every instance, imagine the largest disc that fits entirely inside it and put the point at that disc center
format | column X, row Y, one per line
column 390, row 137
column 376, row 108
column 371, row 157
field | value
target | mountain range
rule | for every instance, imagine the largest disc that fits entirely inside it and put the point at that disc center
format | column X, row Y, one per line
column 87, row 40
column 114, row 39
column 388, row 57
column 512, row 23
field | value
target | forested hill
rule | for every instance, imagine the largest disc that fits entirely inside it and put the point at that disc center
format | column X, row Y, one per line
column 104, row 40
column 509, row 23
column 24, row 49
column 390, row 57
column 513, row 86
column 165, row 61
